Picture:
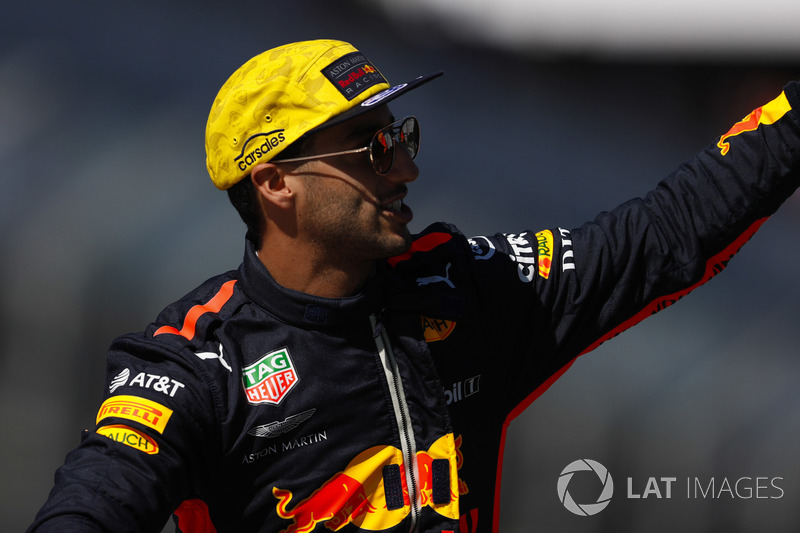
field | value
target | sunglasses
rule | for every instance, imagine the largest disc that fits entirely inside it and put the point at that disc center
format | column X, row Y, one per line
column 381, row 148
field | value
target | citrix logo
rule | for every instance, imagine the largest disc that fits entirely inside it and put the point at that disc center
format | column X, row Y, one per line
column 586, row 509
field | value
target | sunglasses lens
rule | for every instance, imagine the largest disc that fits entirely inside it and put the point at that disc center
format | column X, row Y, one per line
column 383, row 143
column 382, row 151
column 409, row 136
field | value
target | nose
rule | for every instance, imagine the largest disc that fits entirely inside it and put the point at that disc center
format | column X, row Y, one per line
column 404, row 170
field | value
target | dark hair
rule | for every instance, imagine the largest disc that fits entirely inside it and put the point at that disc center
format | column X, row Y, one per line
column 244, row 197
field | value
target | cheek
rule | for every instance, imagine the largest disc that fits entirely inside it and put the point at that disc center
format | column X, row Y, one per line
column 339, row 194
column 332, row 214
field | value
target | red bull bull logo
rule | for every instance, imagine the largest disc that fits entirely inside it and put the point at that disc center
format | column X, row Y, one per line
column 443, row 498
column 359, row 494
column 766, row 114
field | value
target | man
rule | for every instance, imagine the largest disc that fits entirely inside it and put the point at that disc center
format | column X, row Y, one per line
column 350, row 376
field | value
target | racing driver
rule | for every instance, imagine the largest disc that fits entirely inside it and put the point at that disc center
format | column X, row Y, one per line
column 311, row 389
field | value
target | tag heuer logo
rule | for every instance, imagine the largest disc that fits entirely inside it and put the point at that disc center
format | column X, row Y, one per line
column 269, row 379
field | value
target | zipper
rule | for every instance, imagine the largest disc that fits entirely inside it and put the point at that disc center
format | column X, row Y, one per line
column 402, row 416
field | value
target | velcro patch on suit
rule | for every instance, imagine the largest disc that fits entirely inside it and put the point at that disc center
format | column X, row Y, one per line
column 440, row 474
column 393, row 487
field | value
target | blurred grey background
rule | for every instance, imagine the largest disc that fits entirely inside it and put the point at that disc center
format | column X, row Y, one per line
column 549, row 112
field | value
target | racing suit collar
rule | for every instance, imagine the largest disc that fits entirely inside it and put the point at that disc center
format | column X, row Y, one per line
column 299, row 308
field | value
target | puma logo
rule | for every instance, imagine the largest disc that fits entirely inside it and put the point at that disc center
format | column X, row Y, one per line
column 438, row 279
column 212, row 355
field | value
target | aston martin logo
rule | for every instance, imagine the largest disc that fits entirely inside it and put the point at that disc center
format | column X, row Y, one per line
column 273, row 429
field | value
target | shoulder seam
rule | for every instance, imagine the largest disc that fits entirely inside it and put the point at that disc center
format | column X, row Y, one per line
column 214, row 305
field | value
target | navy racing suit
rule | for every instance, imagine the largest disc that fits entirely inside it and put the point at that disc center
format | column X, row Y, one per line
column 246, row 406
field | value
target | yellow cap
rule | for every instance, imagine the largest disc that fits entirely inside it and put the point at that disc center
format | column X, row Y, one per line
column 280, row 95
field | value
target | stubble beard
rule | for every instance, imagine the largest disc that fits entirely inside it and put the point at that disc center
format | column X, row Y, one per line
column 342, row 230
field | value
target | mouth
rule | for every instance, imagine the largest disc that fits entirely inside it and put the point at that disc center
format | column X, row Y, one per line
column 396, row 205
column 398, row 210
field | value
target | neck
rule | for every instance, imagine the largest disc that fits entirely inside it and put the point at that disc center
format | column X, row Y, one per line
column 311, row 275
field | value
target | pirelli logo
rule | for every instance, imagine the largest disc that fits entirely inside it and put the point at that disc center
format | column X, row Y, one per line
column 130, row 437
column 146, row 412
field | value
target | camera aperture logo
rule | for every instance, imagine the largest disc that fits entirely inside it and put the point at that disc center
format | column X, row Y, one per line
column 585, row 509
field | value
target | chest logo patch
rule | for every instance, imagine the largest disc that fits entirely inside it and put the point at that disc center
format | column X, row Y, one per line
column 270, row 379
column 436, row 329
column 544, row 240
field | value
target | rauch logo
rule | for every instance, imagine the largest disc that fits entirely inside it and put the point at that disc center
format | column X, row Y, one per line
column 269, row 379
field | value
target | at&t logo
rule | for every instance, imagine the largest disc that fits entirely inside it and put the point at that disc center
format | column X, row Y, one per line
column 585, row 509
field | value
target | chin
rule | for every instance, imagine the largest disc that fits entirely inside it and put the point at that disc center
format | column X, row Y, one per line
column 397, row 245
column 404, row 241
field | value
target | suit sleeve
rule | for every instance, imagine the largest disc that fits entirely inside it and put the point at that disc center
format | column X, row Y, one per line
column 577, row 288
column 148, row 451
column 646, row 254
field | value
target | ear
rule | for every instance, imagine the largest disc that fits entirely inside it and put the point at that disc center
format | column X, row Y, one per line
column 271, row 186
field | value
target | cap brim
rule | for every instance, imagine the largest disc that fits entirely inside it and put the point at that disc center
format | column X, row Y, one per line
column 376, row 100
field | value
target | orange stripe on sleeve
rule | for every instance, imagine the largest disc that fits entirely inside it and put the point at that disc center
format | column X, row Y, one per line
column 194, row 314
